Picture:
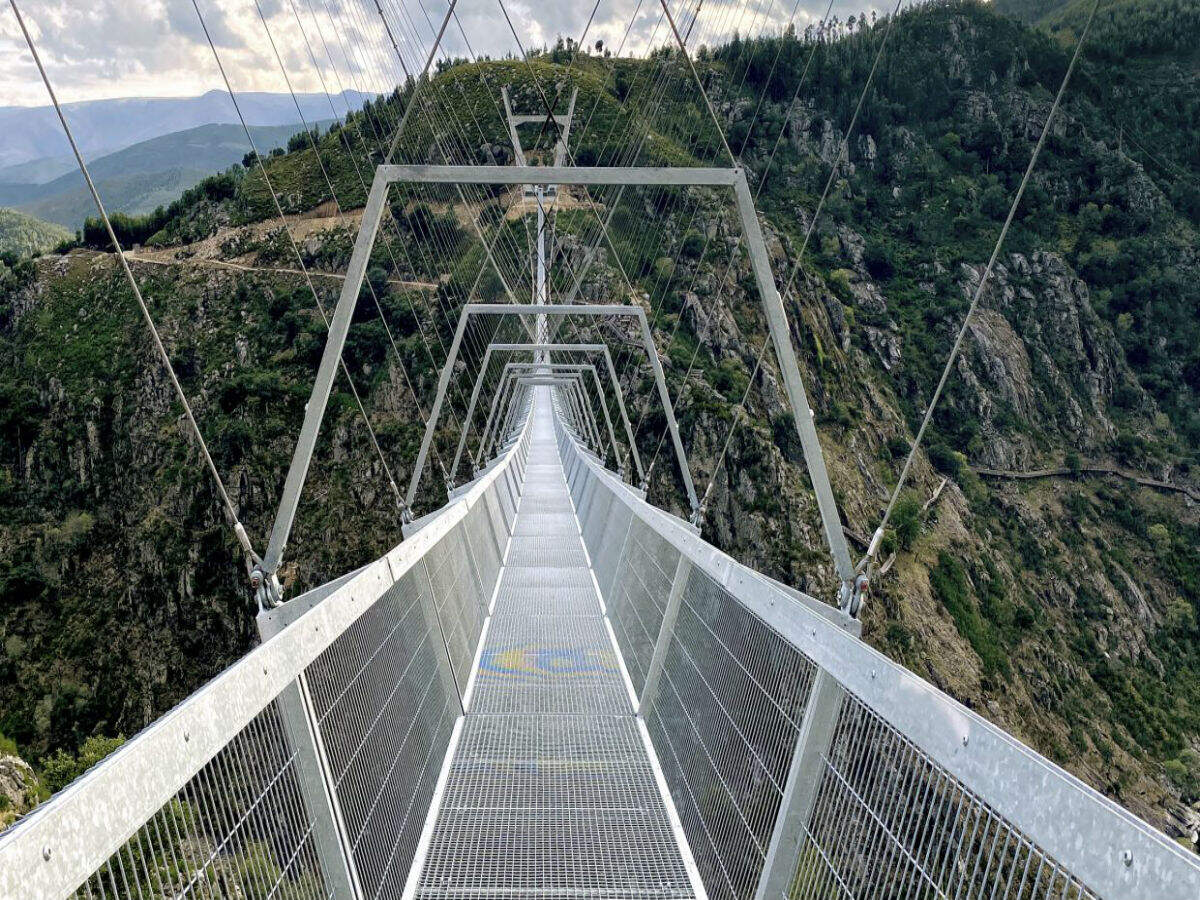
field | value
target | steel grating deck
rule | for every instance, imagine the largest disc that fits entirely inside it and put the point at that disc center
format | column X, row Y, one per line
column 551, row 791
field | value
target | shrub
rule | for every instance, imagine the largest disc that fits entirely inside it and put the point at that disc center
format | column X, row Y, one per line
column 906, row 520
column 878, row 261
column 953, row 590
column 62, row 768
column 1074, row 464
column 946, row 461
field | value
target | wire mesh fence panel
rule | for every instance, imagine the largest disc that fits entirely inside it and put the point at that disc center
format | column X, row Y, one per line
column 595, row 520
column 607, row 555
column 238, row 830
column 385, row 714
column 639, row 595
column 889, row 822
column 724, row 720
column 499, row 525
column 458, row 600
column 485, row 546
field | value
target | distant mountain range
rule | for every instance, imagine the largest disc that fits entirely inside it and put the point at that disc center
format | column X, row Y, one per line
column 142, row 152
column 138, row 178
column 34, row 142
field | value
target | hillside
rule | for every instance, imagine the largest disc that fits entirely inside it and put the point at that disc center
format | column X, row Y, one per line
column 1065, row 608
column 146, row 175
column 23, row 235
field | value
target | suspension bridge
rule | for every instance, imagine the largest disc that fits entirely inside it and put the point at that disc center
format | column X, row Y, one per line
column 551, row 687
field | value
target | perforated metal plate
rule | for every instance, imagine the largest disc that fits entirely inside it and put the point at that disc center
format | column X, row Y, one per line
column 545, row 591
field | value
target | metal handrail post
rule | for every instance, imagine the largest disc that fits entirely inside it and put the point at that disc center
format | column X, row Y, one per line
column 803, row 781
column 683, row 569
column 789, row 368
column 315, row 779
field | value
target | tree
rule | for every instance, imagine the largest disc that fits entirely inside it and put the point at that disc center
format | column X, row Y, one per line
column 1074, row 464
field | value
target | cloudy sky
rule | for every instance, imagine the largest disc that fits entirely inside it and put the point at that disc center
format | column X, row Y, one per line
column 157, row 48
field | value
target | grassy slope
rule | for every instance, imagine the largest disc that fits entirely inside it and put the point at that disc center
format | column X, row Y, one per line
column 152, row 173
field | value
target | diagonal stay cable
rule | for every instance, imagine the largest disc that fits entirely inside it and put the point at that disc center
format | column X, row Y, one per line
column 703, row 93
column 877, row 536
column 739, row 410
column 338, row 207
column 762, row 181
column 243, row 539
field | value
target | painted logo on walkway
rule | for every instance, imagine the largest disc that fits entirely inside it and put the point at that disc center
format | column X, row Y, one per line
column 547, row 662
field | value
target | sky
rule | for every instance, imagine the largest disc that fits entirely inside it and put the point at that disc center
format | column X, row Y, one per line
column 95, row 49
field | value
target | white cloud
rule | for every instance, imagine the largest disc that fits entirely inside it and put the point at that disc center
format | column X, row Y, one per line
column 107, row 48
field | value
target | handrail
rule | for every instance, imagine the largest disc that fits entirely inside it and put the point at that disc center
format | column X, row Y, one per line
column 58, row 846
column 1098, row 842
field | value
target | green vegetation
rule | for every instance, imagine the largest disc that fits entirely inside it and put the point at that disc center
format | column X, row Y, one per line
column 61, row 768
column 949, row 153
column 22, row 235
column 121, row 588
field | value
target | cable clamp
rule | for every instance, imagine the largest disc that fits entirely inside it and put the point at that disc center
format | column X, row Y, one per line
column 268, row 592
column 852, row 594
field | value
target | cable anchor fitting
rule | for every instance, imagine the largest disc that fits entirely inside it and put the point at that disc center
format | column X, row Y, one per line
column 268, row 592
column 852, row 594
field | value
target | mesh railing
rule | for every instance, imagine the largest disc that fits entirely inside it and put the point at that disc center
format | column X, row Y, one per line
column 889, row 822
column 804, row 764
column 307, row 769
column 238, row 828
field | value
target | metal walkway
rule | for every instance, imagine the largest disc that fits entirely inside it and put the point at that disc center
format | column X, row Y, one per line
column 552, row 790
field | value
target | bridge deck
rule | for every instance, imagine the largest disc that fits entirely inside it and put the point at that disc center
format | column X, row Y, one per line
column 551, row 790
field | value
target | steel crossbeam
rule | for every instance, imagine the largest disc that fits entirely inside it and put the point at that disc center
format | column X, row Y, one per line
column 594, row 310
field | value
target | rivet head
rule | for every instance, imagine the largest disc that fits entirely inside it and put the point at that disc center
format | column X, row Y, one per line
column 873, row 673
column 966, row 739
column 1127, row 858
column 187, row 736
column 46, row 853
